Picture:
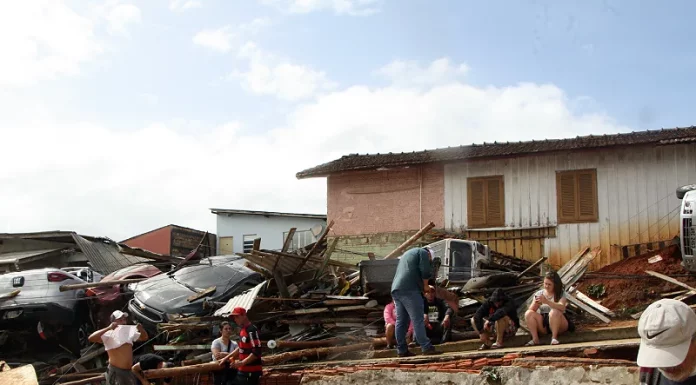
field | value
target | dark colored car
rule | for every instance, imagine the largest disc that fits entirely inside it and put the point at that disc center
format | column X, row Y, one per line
column 164, row 296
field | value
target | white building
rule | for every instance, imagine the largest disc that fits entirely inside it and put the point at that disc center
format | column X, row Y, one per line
column 237, row 229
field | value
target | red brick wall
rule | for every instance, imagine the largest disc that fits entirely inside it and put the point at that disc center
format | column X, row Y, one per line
column 384, row 201
column 158, row 241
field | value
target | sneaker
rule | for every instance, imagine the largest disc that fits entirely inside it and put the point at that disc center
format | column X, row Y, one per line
column 390, row 346
column 407, row 354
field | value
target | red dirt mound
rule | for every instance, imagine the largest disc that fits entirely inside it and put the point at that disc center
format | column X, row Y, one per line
column 629, row 294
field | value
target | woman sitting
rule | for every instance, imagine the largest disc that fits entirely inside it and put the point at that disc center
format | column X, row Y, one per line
column 546, row 314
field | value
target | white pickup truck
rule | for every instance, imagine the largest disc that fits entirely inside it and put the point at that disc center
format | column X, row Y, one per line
column 687, row 225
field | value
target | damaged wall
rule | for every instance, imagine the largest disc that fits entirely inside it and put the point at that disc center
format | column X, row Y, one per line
column 508, row 376
column 387, row 201
column 635, row 195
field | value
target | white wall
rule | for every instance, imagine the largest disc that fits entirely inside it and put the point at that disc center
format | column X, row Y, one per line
column 269, row 229
column 635, row 187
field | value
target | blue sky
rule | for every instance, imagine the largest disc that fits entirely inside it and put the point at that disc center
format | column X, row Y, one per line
column 145, row 99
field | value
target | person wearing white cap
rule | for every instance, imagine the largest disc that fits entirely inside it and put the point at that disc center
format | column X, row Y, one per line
column 118, row 339
column 667, row 330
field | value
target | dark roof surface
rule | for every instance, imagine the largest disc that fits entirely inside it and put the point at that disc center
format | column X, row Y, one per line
column 498, row 149
column 266, row 213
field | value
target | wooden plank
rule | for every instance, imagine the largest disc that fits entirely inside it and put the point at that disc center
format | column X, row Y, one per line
column 11, row 294
column 99, row 284
column 581, row 305
column 314, row 248
column 257, row 244
column 288, row 239
column 670, row 280
column 81, row 360
column 400, row 250
column 202, row 294
column 327, row 257
column 94, row 379
column 280, row 282
column 532, row 267
column 590, row 302
column 180, row 348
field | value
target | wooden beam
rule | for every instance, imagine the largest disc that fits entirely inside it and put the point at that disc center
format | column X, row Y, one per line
column 281, row 284
column 181, row 371
column 288, row 240
column 400, row 250
column 532, row 267
column 81, row 360
column 320, row 321
column 77, row 286
column 590, row 302
column 202, row 294
column 180, row 348
column 315, row 247
column 94, row 379
column 670, row 280
column 327, row 256
column 257, row 244
column 571, row 298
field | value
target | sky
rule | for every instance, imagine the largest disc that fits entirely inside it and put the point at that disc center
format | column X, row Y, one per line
column 121, row 116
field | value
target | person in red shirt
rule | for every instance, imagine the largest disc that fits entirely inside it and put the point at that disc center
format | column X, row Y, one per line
column 248, row 353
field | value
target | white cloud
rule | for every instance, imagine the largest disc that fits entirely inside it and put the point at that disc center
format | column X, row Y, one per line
column 219, row 40
column 411, row 73
column 43, row 40
column 120, row 16
column 183, row 5
column 269, row 75
column 256, row 25
column 120, row 182
column 148, row 99
column 347, row 7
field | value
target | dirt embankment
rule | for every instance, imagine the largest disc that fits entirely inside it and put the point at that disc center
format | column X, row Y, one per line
column 628, row 289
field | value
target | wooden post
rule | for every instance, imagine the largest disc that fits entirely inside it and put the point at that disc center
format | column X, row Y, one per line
column 400, row 250
column 532, row 266
column 94, row 379
column 280, row 282
column 181, row 371
column 288, row 240
column 314, row 248
column 99, row 284
column 327, row 257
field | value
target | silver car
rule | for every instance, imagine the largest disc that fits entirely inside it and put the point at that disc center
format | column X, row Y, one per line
column 31, row 299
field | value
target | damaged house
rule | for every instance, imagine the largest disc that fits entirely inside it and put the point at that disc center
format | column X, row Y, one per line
column 525, row 199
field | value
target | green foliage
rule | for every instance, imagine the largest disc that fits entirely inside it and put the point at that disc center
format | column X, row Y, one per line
column 597, row 291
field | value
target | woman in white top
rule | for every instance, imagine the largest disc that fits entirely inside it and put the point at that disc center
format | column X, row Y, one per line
column 546, row 314
column 221, row 348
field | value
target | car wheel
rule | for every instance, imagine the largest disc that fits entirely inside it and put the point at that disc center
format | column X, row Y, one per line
column 83, row 332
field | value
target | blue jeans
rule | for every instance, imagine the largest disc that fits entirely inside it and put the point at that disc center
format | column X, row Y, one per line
column 409, row 307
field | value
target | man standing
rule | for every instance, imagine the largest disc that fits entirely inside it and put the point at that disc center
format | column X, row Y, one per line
column 437, row 317
column 118, row 339
column 667, row 332
column 248, row 366
column 410, row 281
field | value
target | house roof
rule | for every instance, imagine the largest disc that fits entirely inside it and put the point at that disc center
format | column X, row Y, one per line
column 266, row 213
column 356, row 162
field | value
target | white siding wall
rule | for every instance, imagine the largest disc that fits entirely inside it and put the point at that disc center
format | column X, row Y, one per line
column 635, row 187
column 269, row 229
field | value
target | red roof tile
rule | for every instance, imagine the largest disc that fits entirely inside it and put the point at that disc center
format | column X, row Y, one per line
column 355, row 162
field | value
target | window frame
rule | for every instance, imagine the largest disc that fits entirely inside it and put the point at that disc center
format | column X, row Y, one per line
column 469, row 201
column 244, row 242
column 577, row 217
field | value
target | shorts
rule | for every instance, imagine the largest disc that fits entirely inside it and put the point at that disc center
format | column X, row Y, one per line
column 118, row 376
column 547, row 326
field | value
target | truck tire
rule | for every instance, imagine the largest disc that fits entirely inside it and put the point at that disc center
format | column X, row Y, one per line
column 681, row 191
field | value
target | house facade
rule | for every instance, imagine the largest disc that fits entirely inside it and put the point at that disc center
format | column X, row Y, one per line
column 237, row 229
column 173, row 240
column 527, row 199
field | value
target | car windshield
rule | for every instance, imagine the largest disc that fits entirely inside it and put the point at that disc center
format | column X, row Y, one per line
column 204, row 276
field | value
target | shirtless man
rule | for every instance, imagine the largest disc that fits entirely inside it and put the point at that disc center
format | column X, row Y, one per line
column 118, row 339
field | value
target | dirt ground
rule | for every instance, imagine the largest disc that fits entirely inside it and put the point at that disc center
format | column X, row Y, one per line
column 625, row 294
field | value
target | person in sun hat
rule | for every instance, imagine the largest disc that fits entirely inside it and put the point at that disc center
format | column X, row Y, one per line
column 667, row 330
column 248, row 366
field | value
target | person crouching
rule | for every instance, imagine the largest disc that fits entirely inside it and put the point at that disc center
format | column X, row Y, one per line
column 497, row 315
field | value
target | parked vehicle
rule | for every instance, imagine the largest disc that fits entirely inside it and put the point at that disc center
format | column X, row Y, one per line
column 105, row 295
column 687, row 225
column 32, row 301
column 84, row 273
column 165, row 296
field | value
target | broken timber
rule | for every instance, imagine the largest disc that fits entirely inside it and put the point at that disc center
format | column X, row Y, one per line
column 202, row 294
column 94, row 379
column 314, row 248
column 400, row 250
column 77, row 286
column 670, row 280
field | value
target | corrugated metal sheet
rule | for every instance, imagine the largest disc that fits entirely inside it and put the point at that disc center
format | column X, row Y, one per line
column 104, row 255
column 245, row 300
column 635, row 187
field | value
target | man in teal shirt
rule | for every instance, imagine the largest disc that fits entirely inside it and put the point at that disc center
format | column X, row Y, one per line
column 410, row 281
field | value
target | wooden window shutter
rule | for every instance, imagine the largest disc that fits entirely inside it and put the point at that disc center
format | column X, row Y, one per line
column 495, row 204
column 576, row 194
column 587, row 196
column 485, row 202
column 476, row 206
